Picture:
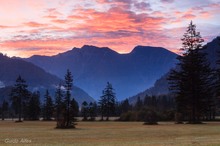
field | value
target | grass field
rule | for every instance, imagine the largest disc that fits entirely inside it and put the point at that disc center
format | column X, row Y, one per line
column 109, row 134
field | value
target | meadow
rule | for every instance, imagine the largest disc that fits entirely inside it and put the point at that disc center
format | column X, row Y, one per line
column 109, row 134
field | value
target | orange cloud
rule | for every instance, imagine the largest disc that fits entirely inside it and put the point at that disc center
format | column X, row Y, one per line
column 4, row 26
column 205, row 14
column 189, row 16
column 121, row 41
column 61, row 21
column 116, row 28
column 34, row 24
column 115, row 19
column 118, row 24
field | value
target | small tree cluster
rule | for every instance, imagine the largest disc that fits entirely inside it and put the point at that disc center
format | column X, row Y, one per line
column 33, row 107
column 88, row 111
column 20, row 96
column 66, row 108
column 150, row 109
column 4, row 109
column 107, row 102
column 27, row 105
column 48, row 107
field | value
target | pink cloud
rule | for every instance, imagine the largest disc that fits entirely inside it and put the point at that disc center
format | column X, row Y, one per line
column 115, row 19
column 61, row 21
column 34, row 24
column 4, row 26
column 54, row 27
column 189, row 16
column 205, row 14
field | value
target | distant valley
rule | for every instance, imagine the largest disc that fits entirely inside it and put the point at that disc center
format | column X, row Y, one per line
column 36, row 78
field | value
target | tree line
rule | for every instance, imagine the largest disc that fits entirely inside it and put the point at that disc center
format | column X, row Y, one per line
column 64, row 109
column 25, row 105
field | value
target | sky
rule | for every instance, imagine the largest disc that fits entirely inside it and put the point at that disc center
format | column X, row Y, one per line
column 49, row 27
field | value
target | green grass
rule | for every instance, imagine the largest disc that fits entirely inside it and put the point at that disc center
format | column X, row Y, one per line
column 110, row 134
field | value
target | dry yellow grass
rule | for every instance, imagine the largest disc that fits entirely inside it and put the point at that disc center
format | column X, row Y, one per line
column 109, row 134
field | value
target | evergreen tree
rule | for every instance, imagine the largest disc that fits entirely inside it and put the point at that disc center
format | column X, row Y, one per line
column 4, row 109
column 125, row 106
column 68, row 87
column 74, row 109
column 139, row 104
column 153, row 101
column 48, row 107
column 19, row 96
column 146, row 100
column 71, row 107
column 59, row 105
column 33, row 107
column 217, row 83
column 92, row 111
column 190, row 82
column 102, row 105
column 107, row 101
column 85, row 110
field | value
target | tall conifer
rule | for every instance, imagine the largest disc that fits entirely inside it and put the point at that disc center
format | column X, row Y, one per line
column 190, row 81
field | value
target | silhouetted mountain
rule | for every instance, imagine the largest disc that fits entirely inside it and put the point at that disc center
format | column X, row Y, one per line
column 93, row 67
column 36, row 78
column 161, row 85
column 211, row 49
column 34, row 75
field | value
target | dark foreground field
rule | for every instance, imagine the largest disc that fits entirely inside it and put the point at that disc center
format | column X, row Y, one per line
column 109, row 133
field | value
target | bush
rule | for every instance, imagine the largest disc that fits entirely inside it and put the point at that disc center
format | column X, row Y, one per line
column 150, row 117
column 129, row 116
column 178, row 118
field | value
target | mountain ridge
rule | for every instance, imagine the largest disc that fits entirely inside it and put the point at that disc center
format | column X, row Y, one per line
column 161, row 85
column 93, row 67
column 36, row 78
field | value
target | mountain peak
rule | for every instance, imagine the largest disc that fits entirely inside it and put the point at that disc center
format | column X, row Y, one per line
column 148, row 49
column 211, row 49
column 95, row 49
column 215, row 41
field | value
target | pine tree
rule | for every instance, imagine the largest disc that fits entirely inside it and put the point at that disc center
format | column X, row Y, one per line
column 92, row 111
column 102, row 105
column 59, row 105
column 33, row 107
column 48, row 107
column 190, row 82
column 70, row 106
column 217, row 82
column 125, row 106
column 68, row 87
column 85, row 110
column 74, row 110
column 139, row 104
column 107, row 101
column 4, row 109
column 19, row 96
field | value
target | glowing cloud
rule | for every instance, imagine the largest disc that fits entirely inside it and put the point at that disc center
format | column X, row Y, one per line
column 47, row 28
